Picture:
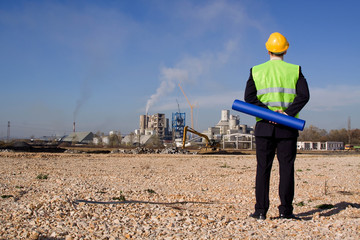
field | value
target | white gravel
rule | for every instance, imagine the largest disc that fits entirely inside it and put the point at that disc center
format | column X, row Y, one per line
column 183, row 197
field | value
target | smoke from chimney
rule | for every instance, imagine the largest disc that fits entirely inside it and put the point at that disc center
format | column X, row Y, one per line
column 189, row 69
column 84, row 96
column 169, row 78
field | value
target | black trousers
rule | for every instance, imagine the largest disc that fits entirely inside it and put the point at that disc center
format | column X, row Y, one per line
column 285, row 148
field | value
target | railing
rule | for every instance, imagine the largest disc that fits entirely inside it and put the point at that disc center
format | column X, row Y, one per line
column 239, row 138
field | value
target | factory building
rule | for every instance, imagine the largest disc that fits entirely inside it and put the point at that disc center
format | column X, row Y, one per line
column 228, row 124
column 228, row 130
column 326, row 146
column 79, row 137
column 156, row 124
column 231, row 133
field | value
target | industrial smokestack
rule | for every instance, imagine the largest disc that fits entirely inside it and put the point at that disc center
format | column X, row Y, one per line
column 146, row 121
column 74, row 127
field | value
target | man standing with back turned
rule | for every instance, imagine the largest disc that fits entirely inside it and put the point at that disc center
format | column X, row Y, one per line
column 281, row 87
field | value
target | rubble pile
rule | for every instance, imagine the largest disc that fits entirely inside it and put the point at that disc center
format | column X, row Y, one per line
column 6, row 150
column 142, row 150
column 74, row 151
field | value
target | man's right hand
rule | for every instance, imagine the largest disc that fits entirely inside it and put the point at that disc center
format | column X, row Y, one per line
column 279, row 111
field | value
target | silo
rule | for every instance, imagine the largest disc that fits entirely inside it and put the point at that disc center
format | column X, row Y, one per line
column 243, row 128
column 225, row 114
column 232, row 123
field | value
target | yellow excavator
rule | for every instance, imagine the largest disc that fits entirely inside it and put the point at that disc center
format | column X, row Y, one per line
column 210, row 143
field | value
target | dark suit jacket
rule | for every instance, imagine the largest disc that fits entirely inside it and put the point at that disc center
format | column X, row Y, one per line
column 264, row 128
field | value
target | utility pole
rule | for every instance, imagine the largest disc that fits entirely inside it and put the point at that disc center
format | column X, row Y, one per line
column 349, row 129
column 8, row 131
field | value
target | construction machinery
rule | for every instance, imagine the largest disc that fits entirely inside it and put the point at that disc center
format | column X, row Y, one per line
column 349, row 147
column 210, row 143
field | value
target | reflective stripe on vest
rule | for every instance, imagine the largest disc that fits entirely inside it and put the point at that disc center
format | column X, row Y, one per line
column 276, row 89
column 275, row 82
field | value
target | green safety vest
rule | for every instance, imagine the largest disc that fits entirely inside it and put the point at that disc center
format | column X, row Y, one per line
column 275, row 82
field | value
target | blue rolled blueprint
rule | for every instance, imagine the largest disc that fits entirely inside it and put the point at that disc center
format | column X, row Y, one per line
column 269, row 115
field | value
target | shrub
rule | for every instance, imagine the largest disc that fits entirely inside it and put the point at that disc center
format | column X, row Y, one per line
column 42, row 176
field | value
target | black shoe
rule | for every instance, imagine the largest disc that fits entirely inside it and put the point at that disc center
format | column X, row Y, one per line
column 259, row 216
column 288, row 216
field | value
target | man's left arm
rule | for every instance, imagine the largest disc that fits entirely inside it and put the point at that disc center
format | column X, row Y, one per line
column 302, row 96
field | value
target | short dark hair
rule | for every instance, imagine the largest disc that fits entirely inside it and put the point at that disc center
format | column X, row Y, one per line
column 278, row 54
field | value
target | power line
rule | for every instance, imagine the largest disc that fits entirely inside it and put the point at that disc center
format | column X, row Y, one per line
column 18, row 129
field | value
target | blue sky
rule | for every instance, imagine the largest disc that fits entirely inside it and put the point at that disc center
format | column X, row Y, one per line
column 104, row 63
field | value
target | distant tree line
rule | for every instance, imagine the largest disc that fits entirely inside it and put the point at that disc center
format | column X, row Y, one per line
column 316, row 134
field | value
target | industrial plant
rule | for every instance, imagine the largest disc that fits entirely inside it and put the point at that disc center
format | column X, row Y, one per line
column 228, row 131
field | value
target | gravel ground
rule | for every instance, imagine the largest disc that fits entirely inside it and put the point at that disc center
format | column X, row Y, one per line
column 171, row 197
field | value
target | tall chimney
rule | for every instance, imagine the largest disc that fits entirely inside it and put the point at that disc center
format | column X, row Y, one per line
column 74, row 127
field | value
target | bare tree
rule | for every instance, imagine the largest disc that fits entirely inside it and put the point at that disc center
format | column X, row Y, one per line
column 313, row 134
column 114, row 140
column 131, row 139
column 338, row 135
column 355, row 136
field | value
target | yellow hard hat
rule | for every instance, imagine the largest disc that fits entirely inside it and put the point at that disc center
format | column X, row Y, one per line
column 277, row 43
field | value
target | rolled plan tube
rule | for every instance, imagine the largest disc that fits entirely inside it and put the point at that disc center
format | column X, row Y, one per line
column 269, row 115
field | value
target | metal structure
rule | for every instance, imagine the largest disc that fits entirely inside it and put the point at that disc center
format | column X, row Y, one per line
column 178, row 124
column 247, row 141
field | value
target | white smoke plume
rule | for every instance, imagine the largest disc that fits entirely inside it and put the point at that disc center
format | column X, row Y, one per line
column 189, row 69
column 169, row 78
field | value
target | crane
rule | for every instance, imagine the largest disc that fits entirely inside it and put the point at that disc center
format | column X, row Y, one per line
column 191, row 107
